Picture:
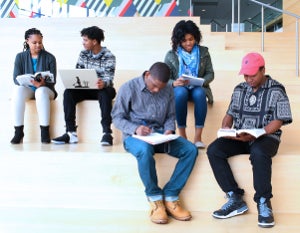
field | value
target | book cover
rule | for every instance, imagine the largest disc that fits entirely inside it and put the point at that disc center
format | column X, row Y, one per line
column 156, row 138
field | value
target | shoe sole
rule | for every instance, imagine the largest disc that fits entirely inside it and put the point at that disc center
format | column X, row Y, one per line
column 266, row 225
column 58, row 143
column 233, row 213
column 182, row 219
column 61, row 143
column 186, row 218
column 105, row 144
column 160, row 221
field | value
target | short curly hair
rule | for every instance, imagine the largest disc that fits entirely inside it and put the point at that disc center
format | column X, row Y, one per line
column 182, row 28
column 93, row 33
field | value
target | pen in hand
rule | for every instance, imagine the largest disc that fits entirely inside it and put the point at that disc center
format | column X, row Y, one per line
column 143, row 129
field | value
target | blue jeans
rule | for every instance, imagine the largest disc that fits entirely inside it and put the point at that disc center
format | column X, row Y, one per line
column 261, row 152
column 196, row 95
column 180, row 148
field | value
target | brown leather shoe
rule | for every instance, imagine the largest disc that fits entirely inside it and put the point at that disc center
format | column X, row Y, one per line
column 176, row 211
column 158, row 212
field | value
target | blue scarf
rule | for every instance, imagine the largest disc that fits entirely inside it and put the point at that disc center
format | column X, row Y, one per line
column 188, row 62
column 34, row 64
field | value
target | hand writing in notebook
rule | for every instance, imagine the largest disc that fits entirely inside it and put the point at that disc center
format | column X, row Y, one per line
column 143, row 129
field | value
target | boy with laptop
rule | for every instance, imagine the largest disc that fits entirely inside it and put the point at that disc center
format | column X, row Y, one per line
column 79, row 78
column 94, row 56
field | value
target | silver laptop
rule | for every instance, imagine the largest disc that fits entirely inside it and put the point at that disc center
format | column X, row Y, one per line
column 78, row 78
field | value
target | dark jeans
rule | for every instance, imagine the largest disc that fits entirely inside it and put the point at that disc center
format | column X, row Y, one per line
column 74, row 96
column 261, row 152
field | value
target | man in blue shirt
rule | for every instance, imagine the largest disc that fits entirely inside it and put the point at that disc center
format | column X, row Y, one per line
column 143, row 105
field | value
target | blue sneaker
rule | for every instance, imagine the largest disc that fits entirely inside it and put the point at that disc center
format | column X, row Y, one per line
column 265, row 213
column 234, row 206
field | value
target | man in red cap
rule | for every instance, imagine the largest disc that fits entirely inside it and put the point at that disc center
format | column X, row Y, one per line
column 258, row 103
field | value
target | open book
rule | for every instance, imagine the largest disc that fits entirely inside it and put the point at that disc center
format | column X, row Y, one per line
column 25, row 79
column 234, row 133
column 156, row 138
column 195, row 81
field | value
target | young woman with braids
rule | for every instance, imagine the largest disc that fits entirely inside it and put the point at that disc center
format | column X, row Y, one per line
column 34, row 58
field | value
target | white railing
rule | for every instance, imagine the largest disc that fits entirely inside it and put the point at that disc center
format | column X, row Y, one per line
column 297, row 17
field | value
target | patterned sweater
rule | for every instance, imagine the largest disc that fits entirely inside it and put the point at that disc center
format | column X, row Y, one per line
column 257, row 109
column 104, row 63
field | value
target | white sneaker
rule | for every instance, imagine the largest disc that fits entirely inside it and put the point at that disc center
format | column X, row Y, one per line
column 200, row 145
column 73, row 137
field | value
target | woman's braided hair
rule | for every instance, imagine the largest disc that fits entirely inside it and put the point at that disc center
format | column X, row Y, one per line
column 28, row 33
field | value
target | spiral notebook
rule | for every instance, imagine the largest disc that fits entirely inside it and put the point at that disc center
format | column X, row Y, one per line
column 78, row 78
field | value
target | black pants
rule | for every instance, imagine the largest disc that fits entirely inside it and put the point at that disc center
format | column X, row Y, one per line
column 261, row 152
column 74, row 96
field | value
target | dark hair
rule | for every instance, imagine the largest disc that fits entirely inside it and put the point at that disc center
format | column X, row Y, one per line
column 181, row 29
column 28, row 33
column 160, row 71
column 93, row 33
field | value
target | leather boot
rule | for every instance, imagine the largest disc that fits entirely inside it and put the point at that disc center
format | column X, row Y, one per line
column 19, row 134
column 175, row 210
column 45, row 135
column 158, row 212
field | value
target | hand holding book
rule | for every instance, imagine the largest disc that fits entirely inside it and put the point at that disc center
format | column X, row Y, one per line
column 236, row 133
column 25, row 79
column 195, row 81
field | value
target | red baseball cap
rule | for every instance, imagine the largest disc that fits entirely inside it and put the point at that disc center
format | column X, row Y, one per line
column 251, row 64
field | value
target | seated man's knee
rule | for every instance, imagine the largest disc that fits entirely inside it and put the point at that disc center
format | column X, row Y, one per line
column 212, row 149
column 188, row 148
column 144, row 154
column 141, row 150
column 67, row 94
column 193, row 150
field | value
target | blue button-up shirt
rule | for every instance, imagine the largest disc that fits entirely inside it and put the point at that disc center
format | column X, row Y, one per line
column 135, row 105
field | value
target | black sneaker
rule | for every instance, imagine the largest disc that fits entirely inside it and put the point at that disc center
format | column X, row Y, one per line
column 234, row 206
column 265, row 213
column 107, row 140
column 69, row 137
